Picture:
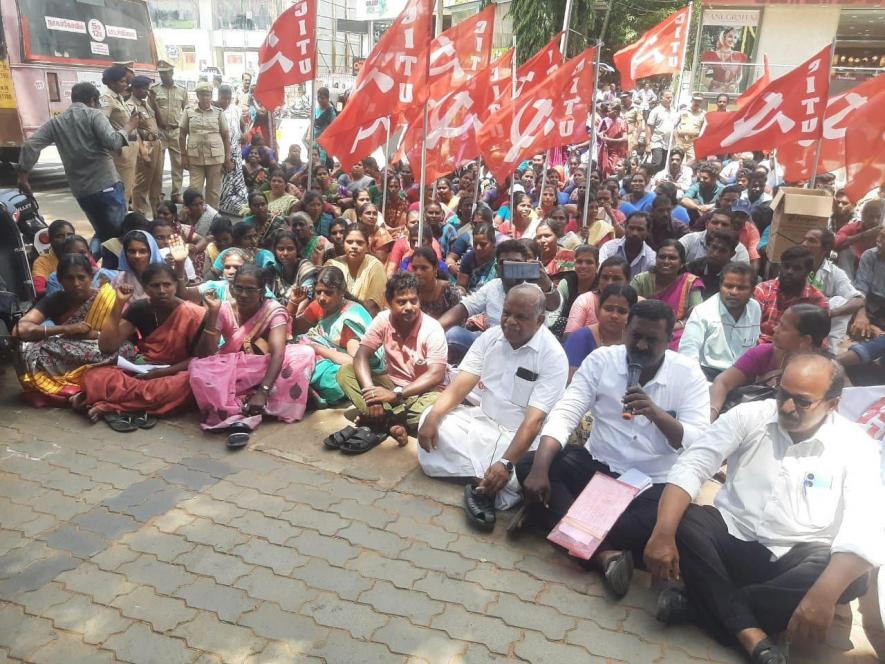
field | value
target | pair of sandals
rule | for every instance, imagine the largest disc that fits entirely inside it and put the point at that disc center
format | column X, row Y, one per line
column 129, row 422
column 354, row 440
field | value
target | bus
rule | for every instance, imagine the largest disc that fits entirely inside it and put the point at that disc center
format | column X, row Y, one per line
column 47, row 46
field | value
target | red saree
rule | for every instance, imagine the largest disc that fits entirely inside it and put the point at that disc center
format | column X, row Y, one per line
column 109, row 389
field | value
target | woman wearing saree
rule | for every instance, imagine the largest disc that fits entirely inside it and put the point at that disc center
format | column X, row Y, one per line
column 381, row 240
column 333, row 324
column 670, row 283
column 313, row 205
column 556, row 260
column 364, row 274
column 335, row 248
column 584, row 310
column 140, row 250
column 196, row 213
column 436, row 296
column 312, row 247
column 166, row 330
column 396, row 208
column 265, row 224
column 293, row 276
column 59, row 335
column 360, row 198
column 196, row 244
column 612, row 141
column 524, row 221
column 255, row 372
column 279, row 201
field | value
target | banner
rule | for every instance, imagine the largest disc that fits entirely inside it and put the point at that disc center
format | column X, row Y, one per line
column 288, row 54
column 760, row 84
column 728, row 39
column 658, row 51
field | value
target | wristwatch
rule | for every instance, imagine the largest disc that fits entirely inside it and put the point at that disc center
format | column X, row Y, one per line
column 398, row 393
column 508, row 465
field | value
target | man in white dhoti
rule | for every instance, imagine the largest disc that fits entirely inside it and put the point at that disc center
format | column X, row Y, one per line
column 521, row 370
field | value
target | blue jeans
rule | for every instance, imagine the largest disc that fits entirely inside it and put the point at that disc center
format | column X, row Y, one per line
column 868, row 351
column 460, row 339
column 105, row 211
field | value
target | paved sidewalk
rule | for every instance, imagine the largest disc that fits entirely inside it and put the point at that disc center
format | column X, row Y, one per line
column 159, row 546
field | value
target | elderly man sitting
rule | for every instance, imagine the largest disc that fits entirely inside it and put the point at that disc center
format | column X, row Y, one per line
column 522, row 371
column 793, row 532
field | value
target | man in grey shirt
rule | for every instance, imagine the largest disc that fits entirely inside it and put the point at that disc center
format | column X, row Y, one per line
column 85, row 140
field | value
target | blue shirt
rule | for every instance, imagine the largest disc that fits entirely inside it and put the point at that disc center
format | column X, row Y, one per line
column 579, row 345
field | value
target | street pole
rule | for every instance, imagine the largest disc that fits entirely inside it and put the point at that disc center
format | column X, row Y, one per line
column 678, row 98
column 566, row 20
column 820, row 140
column 422, row 185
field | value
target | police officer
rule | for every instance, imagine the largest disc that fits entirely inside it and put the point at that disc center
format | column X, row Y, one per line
column 205, row 145
column 118, row 111
column 170, row 101
column 144, row 200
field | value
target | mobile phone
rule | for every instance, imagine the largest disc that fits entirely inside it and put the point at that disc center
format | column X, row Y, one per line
column 518, row 271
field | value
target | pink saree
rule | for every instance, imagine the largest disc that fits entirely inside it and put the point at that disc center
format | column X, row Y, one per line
column 223, row 383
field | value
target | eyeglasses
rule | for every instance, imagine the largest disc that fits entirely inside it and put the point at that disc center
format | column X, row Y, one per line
column 245, row 289
column 802, row 403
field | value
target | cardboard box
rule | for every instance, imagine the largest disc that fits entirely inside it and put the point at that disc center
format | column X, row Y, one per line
column 796, row 211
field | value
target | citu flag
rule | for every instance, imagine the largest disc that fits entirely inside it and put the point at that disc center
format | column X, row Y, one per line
column 288, row 54
column 454, row 121
column 791, row 108
column 758, row 85
column 658, row 51
column 552, row 113
column 539, row 66
column 852, row 139
column 393, row 78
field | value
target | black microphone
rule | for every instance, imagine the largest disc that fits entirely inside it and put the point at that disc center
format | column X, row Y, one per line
column 634, row 369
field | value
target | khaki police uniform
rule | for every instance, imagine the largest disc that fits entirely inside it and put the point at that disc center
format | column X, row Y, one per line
column 171, row 103
column 635, row 127
column 149, row 164
column 118, row 111
column 205, row 150
column 688, row 128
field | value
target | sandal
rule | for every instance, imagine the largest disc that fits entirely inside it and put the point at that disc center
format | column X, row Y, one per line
column 120, row 422
column 479, row 508
column 337, row 439
column 362, row 441
column 618, row 573
column 145, row 421
column 238, row 436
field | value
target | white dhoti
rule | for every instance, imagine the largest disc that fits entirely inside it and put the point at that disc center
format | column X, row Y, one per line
column 469, row 442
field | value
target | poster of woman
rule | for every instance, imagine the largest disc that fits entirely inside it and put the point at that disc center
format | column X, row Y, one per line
column 728, row 38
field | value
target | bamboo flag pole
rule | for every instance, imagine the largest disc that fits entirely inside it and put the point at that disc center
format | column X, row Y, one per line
column 313, row 102
column 386, row 153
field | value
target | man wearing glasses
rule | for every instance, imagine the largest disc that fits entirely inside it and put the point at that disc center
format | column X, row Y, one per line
column 795, row 528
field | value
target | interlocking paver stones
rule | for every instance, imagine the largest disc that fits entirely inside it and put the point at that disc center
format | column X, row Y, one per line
column 409, row 506
column 250, row 499
column 536, row 649
column 89, row 579
column 10, row 540
column 410, row 528
column 492, row 577
column 466, row 626
column 16, row 560
column 114, row 556
column 60, row 506
column 210, row 508
column 550, row 622
column 107, row 524
column 273, row 530
column 68, row 649
column 368, row 514
column 38, row 574
column 81, row 543
column 37, row 602
column 485, row 551
column 340, row 648
column 203, row 531
column 140, row 645
column 298, row 632
column 25, row 520
column 164, row 546
column 208, row 465
column 388, row 544
column 281, row 559
column 224, row 568
column 609, row 643
column 229, row 603
column 384, row 597
column 165, row 577
column 94, row 622
column 309, row 495
column 400, row 573
column 448, row 562
column 327, row 523
column 20, row 634
column 470, row 595
column 163, row 613
column 608, row 613
column 136, row 494
column 172, row 520
column 334, row 550
column 194, row 480
column 230, row 642
column 158, row 503
column 104, row 473
column 404, row 638
column 267, row 483
column 322, row 576
column 18, row 489
column 290, row 594
column 331, row 611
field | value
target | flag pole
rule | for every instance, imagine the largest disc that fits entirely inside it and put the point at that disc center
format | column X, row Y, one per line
column 513, row 96
column 421, row 194
column 313, row 102
column 592, row 132
column 821, row 139
column 566, row 20
column 476, row 188
column 386, row 152
column 678, row 96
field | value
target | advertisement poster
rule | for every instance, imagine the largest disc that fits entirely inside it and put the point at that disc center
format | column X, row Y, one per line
column 728, row 41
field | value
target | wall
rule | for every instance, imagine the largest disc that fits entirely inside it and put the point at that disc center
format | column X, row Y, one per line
column 790, row 34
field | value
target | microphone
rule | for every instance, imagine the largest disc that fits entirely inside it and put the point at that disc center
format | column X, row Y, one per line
column 634, row 369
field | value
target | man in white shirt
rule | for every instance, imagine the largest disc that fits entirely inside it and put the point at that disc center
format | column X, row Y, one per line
column 831, row 280
column 723, row 327
column 669, row 405
column 696, row 243
column 659, row 127
column 522, row 370
column 676, row 172
column 644, row 97
column 793, row 531
column 489, row 300
column 633, row 246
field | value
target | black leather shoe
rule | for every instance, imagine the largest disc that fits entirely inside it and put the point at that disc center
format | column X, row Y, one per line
column 480, row 509
column 766, row 652
column 674, row 607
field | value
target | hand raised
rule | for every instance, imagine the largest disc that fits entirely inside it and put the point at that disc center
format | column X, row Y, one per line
column 211, row 300
column 124, row 293
column 178, row 249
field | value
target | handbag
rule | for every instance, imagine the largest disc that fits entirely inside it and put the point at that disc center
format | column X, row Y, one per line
column 764, row 388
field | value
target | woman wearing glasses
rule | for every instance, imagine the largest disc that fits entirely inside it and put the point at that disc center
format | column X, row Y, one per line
column 254, row 372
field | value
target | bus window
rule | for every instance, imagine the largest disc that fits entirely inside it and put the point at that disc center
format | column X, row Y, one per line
column 52, row 85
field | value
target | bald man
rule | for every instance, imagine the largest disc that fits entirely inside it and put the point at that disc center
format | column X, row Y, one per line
column 792, row 532
column 521, row 371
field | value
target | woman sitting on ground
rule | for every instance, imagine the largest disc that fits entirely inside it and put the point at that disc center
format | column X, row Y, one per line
column 524, row 221
column 333, row 324
column 360, row 198
column 313, row 247
column 59, row 335
column 139, row 251
column 77, row 244
column 364, row 274
column 478, row 266
column 221, row 237
column 585, row 309
column 669, row 282
column 556, row 260
column 196, row 213
column 254, row 372
column 437, row 296
column 614, row 307
column 293, row 276
column 46, row 263
column 112, row 248
column 165, row 330
column 167, row 211
column 266, row 225
column 579, row 282
column 245, row 239
column 279, row 201
column 802, row 328
column 380, row 240
column 313, row 205
column 335, row 248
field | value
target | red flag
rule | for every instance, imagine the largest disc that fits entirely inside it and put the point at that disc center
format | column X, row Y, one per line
column 658, row 51
column 758, row 85
column 865, row 145
column 288, row 54
column 539, row 66
column 455, row 120
column 791, row 108
column 553, row 113
column 842, row 122
column 393, row 78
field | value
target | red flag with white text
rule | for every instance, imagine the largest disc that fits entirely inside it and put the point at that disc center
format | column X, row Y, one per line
column 790, row 109
column 393, row 79
column 845, row 119
column 553, row 113
column 758, row 85
column 288, row 54
column 658, row 51
column 539, row 66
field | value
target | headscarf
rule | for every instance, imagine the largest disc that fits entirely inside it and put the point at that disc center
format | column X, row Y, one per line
column 148, row 239
column 262, row 258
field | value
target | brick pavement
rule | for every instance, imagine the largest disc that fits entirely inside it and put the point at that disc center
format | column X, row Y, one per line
column 160, row 546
